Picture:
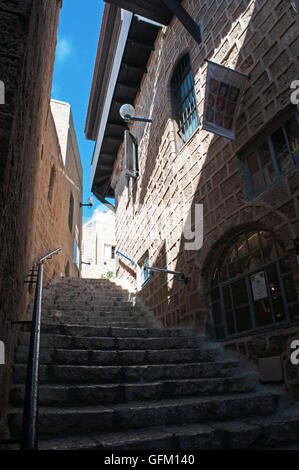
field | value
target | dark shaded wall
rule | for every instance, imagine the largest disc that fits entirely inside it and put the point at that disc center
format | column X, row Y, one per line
column 259, row 38
column 28, row 34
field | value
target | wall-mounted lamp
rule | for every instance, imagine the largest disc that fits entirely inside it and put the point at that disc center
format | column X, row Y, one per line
column 127, row 112
column 295, row 5
column 90, row 202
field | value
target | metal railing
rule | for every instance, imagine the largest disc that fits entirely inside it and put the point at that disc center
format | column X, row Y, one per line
column 29, row 438
column 181, row 275
column 125, row 256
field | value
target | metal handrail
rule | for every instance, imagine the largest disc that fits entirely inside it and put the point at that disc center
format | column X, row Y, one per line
column 29, row 439
column 164, row 270
column 125, row 256
column 181, row 275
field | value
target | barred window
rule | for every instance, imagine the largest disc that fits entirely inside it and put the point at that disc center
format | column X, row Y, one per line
column 272, row 158
column 184, row 100
column 71, row 212
column 51, row 184
column 144, row 273
column 252, row 286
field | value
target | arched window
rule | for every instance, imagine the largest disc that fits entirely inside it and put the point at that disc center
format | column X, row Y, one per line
column 51, row 184
column 71, row 212
column 183, row 99
column 252, row 286
column 67, row 269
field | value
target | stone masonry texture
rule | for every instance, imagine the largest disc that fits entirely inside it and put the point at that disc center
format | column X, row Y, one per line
column 112, row 379
column 28, row 30
column 259, row 38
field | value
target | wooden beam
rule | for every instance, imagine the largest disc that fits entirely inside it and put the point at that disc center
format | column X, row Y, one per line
column 108, row 156
column 133, row 88
column 152, row 9
column 116, row 125
column 143, row 45
column 183, row 16
column 134, row 68
column 113, row 138
column 120, row 101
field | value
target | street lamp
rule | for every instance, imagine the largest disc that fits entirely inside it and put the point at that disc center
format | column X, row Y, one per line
column 127, row 112
column 90, row 202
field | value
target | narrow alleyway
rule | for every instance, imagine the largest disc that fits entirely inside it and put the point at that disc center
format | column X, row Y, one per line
column 111, row 378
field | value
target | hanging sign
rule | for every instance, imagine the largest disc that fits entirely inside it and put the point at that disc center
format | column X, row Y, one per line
column 258, row 284
column 224, row 89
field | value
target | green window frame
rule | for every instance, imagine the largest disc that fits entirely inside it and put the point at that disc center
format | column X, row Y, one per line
column 272, row 158
column 252, row 286
column 184, row 98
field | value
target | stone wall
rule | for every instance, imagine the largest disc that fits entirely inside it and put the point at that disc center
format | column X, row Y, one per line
column 28, row 30
column 259, row 38
column 50, row 228
column 98, row 232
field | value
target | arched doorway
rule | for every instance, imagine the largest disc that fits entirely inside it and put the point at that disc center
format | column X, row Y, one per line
column 67, row 269
column 252, row 286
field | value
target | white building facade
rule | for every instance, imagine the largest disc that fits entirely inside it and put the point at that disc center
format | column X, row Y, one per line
column 98, row 246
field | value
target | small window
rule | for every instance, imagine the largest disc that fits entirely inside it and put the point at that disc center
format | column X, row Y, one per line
column 67, row 269
column 131, row 155
column 183, row 99
column 273, row 158
column 51, row 184
column 144, row 273
column 76, row 254
column 252, row 286
column 109, row 251
column 71, row 212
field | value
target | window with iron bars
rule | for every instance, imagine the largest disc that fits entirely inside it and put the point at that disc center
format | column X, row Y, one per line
column 184, row 99
column 272, row 157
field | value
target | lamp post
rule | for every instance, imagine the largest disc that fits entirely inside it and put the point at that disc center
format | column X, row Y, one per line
column 90, row 202
column 127, row 112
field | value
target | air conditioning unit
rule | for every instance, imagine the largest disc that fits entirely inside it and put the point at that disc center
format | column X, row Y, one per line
column 295, row 5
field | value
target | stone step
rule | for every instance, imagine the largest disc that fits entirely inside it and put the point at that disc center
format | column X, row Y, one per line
column 90, row 331
column 106, row 357
column 70, row 395
column 212, row 436
column 116, row 417
column 127, row 314
column 87, row 284
column 101, row 323
column 134, row 321
column 116, row 374
column 94, row 308
column 117, row 343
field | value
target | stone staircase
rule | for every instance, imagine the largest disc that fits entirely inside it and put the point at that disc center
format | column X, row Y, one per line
column 111, row 378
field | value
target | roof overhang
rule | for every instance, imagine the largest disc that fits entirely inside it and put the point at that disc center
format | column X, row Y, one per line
column 125, row 44
column 156, row 10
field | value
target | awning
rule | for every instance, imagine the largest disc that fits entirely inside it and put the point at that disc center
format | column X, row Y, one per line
column 139, row 44
column 155, row 10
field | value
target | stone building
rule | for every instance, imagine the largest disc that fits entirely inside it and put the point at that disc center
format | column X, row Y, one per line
column 243, row 282
column 98, row 246
column 57, row 215
column 28, row 32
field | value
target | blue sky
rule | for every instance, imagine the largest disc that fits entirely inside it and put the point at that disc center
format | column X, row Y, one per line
column 78, row 35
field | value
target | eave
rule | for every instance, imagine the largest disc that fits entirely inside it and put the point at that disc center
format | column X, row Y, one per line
column 129, row 40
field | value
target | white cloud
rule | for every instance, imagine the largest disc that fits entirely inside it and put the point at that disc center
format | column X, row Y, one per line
column 63, row 49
